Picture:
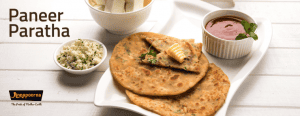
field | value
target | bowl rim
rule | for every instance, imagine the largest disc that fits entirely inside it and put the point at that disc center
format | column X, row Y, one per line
column 85, row 70
column 203, row 25
column 87, row 2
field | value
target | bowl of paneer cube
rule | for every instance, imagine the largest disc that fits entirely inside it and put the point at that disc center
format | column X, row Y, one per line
column 120, row 16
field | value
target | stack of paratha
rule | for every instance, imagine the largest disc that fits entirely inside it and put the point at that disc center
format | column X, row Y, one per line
column 157, row 82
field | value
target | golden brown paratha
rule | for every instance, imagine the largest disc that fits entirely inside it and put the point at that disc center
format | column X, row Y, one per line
column 147, row 79
column 202, row 100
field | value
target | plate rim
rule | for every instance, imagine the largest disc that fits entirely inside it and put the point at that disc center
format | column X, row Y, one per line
column 233, row 88
column 235, row 84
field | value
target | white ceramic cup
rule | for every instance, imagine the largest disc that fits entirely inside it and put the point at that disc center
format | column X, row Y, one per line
column 227, row 49
column 120, row 23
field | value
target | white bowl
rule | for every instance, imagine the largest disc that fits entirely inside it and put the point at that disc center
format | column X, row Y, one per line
column 227, row 49
column 120, row 23
column 68, row 43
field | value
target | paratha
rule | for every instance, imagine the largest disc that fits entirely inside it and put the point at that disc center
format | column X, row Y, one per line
column 148, row 79
column 202, row 100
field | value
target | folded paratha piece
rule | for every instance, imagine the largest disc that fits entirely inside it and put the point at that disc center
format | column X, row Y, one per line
column 191, row 63
column 144, row 79
column 162, row 42
column 204, row 99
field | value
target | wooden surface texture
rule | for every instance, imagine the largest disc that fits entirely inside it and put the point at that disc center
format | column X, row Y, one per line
column 272, row 89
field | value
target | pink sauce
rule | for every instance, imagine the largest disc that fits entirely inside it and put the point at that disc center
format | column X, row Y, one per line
column 225, row 27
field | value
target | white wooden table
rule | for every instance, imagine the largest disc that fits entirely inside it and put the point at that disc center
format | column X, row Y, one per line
column 26, row 63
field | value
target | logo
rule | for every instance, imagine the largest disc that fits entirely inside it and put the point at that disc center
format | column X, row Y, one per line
column 31, row 95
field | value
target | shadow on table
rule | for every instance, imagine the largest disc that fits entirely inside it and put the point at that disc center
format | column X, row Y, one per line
column 104, row 111
column 71, row 80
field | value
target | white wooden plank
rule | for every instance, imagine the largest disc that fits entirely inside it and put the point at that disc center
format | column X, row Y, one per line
column 262, row 0
column 281, row 42
column 268, row 91
column 37, row 52
column 88, row 109
column 56, row 85
column 262, row 111
column 79, row 10
column 231, row 3
column 277, row 12
column 28, row 56
column 37, row 56
column 279, row 62
column 259, row 95
column 40, row 57
column 251, row 0
column 284, row 35
column 77, row 29
column 61, row 86
column 60, row 109
column 72, row 9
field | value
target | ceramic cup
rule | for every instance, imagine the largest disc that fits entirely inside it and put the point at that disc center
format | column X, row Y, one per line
column 227, row 49
column 120, row 23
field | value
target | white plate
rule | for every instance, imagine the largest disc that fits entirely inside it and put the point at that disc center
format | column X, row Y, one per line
column 186, row 24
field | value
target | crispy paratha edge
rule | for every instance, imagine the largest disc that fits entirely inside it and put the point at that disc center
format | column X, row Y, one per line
column 134, row 98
